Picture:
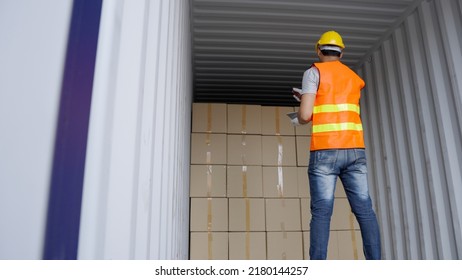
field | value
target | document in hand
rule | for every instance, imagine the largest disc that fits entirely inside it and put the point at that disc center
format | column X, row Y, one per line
column 292, row 115
column 297, row 94
column 293, row 118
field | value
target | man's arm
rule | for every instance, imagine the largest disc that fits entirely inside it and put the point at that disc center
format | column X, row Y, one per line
column 306, row 108
column 310, row 85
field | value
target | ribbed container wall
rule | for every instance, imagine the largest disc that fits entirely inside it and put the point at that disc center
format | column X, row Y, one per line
column 136, row 188
column 412, row 111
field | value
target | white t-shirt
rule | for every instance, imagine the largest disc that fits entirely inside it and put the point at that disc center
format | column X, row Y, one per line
column 310, row 81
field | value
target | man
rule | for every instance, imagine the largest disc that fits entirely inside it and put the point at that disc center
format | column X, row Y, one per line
column 331, row 93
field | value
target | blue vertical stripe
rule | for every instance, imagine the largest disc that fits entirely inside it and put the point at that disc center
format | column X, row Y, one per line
column 64, row 206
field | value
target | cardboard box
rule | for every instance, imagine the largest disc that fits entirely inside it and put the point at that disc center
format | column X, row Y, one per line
column 247, row 246
column 303, row 150
column 303, row 182
column 284, row 245
column 244, row 150
column 350, row 245
column 246, row 214
column 208, row 246
column 244, row 181
column 303, row 130
column 280, row 182
column 306, row 213
column 207, row 181
column 209, row 214
column 244, row 119
column 332, row 247
column 208, row 148
column 342, row 217
column 279, row 151
column 274, row 121
column 209, row 118
column 283, row 214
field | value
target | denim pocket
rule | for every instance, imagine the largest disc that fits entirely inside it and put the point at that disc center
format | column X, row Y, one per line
column 323, row 161
column 327, row 156
column 360, row 163
column 360, row 155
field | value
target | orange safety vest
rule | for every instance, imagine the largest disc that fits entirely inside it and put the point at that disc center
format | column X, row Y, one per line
column 336, row 121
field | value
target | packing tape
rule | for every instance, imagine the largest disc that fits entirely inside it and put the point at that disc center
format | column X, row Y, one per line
column 244, row 180
column 208, row 142
column 283, row 225
column 209, row 214
column 243, row 149
column 209, row 227
column 353, row 236
column 247, row 212
column 247, row 245
column 209, row 118
column 209, row 180
column 280, row 185
column 284, row 237
column 210, row 241
column 208, row 157
column 244, row 119
column 280, row 151
column 278, row 125
column 247, row 228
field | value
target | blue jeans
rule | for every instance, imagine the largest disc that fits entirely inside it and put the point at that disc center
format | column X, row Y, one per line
column 324, row 168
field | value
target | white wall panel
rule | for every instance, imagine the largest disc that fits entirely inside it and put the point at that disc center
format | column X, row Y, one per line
column 414, row 133
column 32, row 54
column 136, row 189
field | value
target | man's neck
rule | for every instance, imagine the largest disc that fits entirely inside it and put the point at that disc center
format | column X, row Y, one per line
column 329, row 58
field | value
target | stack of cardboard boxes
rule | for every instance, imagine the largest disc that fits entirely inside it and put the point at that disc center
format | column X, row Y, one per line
column 249, row 187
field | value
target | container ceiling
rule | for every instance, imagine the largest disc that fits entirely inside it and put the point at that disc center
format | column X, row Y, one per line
column 255, row 51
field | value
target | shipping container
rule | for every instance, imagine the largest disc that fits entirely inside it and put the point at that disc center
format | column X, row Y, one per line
column 96, row 120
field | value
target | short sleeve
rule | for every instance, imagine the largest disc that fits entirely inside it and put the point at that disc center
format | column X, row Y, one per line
column 310, row 81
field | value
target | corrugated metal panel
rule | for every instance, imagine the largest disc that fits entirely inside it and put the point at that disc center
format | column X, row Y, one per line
column 136, row 191
column 256, row 51
column 413, row 119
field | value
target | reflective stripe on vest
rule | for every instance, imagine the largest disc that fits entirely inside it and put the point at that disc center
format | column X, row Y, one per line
column 336, row 127
column 335, row 108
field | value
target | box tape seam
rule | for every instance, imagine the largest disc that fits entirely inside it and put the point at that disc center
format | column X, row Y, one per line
column 209, row 227
column 244, row 120
column 209, row 118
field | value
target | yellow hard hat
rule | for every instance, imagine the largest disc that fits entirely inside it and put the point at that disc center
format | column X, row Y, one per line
column 330, row 38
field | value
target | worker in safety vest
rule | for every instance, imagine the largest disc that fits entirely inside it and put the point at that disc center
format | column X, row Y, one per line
column 330, row 100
